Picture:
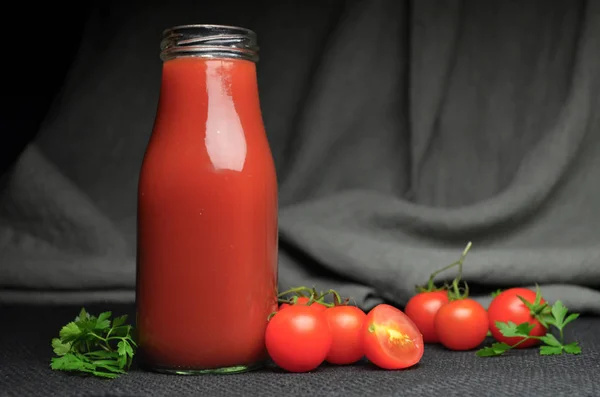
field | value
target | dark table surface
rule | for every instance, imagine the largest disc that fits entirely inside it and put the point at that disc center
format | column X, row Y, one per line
column 25, row 353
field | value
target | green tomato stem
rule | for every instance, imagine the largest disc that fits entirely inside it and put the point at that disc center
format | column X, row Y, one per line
column 431, row 284
column 336, row 297
column 295, row 291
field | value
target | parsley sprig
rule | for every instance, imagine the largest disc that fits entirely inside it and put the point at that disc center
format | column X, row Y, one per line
column 554, row 316
column 93, row 345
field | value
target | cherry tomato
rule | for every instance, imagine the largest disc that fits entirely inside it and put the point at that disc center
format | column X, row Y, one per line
column 506, row 307
column 298, row 338
column 422, row 308
column 302, row 300
column 461, row 324
column 390, row 339
column 345, row 323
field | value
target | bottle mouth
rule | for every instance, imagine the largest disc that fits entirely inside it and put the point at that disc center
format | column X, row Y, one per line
column 209, row 41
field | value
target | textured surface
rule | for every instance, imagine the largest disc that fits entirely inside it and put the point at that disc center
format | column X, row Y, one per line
column 400, row 130
column 25, row 353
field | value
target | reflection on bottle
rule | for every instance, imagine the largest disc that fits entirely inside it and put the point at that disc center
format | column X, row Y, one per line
column 225, row 139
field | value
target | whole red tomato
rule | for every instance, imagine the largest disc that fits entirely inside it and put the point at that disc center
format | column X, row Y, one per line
column 506, row 307
column 345, row 323
column 298, row 338
column 390, row 339
column 422, row 309
column 302, row 300
column 461, row 324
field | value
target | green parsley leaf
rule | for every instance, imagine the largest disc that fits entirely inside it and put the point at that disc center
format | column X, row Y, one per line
column 69, row 332
column 524, row 329
column 124, row 348
column 118, row 321
column 103, row 321
column 60, row 348
column 550, row 350
column 571, row 317
column 98, row 354
column 511, row 329
column 91, row 345
column 83, row 316
column 572, row 348
column 551, row 340
column 555, row 315
column 559, row 311
column 495, row 350
column 68, row 362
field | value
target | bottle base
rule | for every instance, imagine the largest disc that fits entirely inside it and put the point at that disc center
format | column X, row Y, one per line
column 212, row 371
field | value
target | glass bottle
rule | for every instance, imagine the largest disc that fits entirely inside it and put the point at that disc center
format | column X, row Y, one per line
column 207, row 210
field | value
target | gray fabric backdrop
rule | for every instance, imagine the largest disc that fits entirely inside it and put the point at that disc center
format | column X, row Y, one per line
column 400, row 129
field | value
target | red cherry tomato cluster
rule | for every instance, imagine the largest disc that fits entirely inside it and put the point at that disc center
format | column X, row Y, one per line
column 307, row 332
column 449, row 317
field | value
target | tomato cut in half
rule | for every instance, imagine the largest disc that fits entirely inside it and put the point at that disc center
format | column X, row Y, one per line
column 390, row 338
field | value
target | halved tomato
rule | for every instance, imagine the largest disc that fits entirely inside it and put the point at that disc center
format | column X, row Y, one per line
column 391, row 340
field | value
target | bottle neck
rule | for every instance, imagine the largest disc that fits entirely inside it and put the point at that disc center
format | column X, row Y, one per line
column 193, row 83
column 211, row 70
column 209, row 41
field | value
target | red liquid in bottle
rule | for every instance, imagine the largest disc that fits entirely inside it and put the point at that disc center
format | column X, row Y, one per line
column 207, row 222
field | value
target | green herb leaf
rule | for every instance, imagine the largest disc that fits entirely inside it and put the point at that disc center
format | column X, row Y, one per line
column 124, row 349
column 69, row 332
column 90, row 345
column 555, row 315
column 511, row 329
column 559, row 311
column 118, row 321
column 496, row 349
column 60, row 348
column 97, row 354
column 550, row 350
column 68, row 362
column 571, row 317
column 524, row 329
column 572, row 348
column 83, row 316
column 550, row 340
column 103, row 321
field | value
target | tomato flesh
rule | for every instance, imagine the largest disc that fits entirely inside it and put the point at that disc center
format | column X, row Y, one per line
column 506, row 307
column 390, row 338
column 298, row 338
column 422, row 308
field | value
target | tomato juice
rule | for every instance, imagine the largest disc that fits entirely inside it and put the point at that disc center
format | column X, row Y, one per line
column 207, row 216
